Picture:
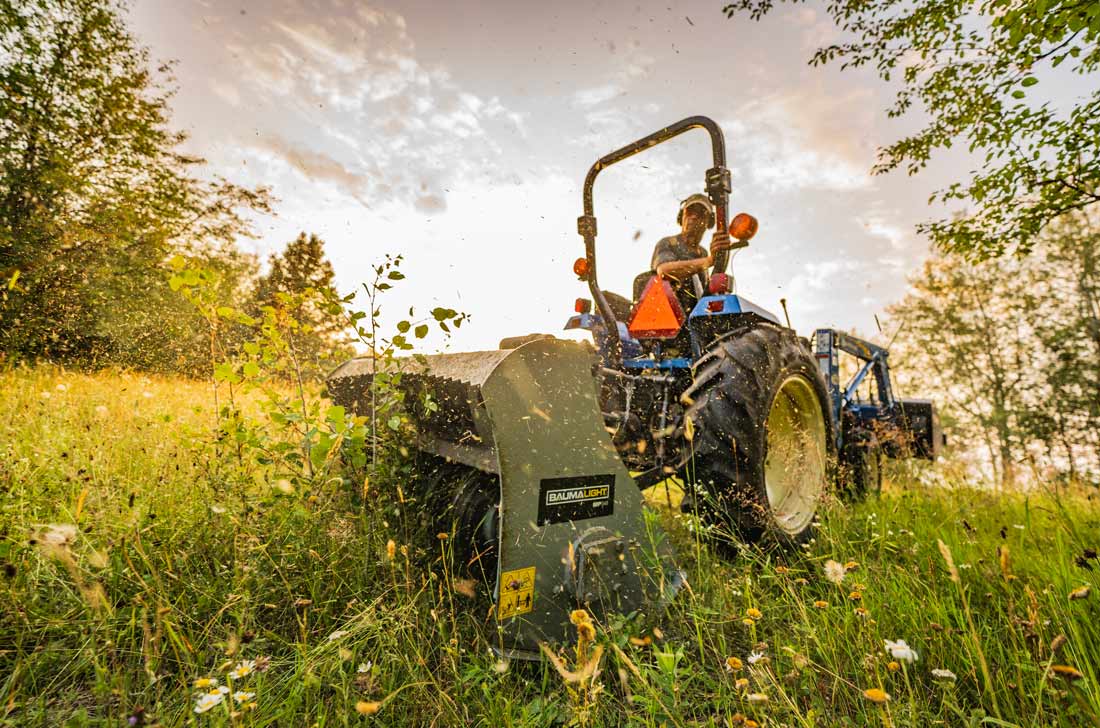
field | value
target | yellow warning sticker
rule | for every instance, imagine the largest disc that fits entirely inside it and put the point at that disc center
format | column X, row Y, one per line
column 517, row 593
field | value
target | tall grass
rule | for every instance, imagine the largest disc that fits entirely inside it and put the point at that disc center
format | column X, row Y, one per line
column 179, row 570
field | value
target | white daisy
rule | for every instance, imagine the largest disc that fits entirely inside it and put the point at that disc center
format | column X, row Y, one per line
column 899, row 650
column 208, row 700
column 243, row 669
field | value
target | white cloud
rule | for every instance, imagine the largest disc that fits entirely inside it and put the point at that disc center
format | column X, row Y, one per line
column 596, row 95
column 806, row 140
column 368, row 120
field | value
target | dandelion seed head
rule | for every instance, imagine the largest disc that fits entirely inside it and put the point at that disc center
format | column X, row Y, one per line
column 834, row 571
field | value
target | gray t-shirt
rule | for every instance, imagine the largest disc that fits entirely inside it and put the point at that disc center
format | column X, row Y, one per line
column 673, row 248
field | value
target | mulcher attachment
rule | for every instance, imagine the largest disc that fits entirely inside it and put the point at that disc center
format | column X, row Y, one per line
column 572, row 530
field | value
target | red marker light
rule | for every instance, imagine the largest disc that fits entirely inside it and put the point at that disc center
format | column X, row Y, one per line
column 715, row 306
column 582, row 305
column 719, row 284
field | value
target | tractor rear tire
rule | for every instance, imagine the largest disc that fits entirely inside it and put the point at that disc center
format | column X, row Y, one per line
column 760, row 447
column 463, row 503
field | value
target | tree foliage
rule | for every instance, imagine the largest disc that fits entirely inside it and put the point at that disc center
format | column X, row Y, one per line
column 975, row 67
column 1011, row 347
column 95, row 193
column 300, row 281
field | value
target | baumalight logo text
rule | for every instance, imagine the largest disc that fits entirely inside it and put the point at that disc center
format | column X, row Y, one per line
column 577, row 495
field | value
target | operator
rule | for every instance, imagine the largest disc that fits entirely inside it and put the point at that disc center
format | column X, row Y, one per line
column 678, row 257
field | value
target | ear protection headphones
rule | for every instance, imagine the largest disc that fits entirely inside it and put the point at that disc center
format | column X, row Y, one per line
column 696, row 199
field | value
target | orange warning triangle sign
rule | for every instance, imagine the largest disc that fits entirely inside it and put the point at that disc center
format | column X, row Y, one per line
column 658, row 314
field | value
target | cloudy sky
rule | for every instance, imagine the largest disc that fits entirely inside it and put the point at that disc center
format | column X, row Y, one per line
column 458, row 135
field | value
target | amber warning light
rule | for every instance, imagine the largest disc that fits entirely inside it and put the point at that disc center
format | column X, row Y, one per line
column 580, row 267
column 743, row 226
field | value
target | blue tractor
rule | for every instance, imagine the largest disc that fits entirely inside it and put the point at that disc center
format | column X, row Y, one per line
column 703, row 384
column 531, row 458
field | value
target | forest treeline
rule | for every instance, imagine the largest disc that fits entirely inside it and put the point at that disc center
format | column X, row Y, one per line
column 97, row 199
column 96, row 196
column 1009, row 348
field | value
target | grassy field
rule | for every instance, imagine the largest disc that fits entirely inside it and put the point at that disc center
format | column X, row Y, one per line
column 141, row 572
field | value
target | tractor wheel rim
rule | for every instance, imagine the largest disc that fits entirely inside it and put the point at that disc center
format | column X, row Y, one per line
column 794, row 470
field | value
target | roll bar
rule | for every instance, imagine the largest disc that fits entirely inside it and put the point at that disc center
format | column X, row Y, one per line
column 718, row 189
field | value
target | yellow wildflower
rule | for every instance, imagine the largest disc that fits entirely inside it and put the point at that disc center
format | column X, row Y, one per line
column 855, row 596
column 748, row 621
column 782, row 570
column 820, row 604
column 1080, row 592
column 641, row 641
column 876, row 695
column 364, row 707
column 801, row 581
column 733, row 664
column 851, row 565
column 586, row 632
column 893, row 665
column 206, row 682
column 579, row 616
column 391, row 549
column 1066, row 671
column 741, row 683
column 862, row 613
column 754, row 613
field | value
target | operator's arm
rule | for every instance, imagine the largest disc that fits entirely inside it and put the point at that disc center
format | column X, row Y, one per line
column 681, row 269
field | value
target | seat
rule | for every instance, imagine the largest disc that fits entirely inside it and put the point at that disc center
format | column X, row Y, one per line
column 620, row 306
